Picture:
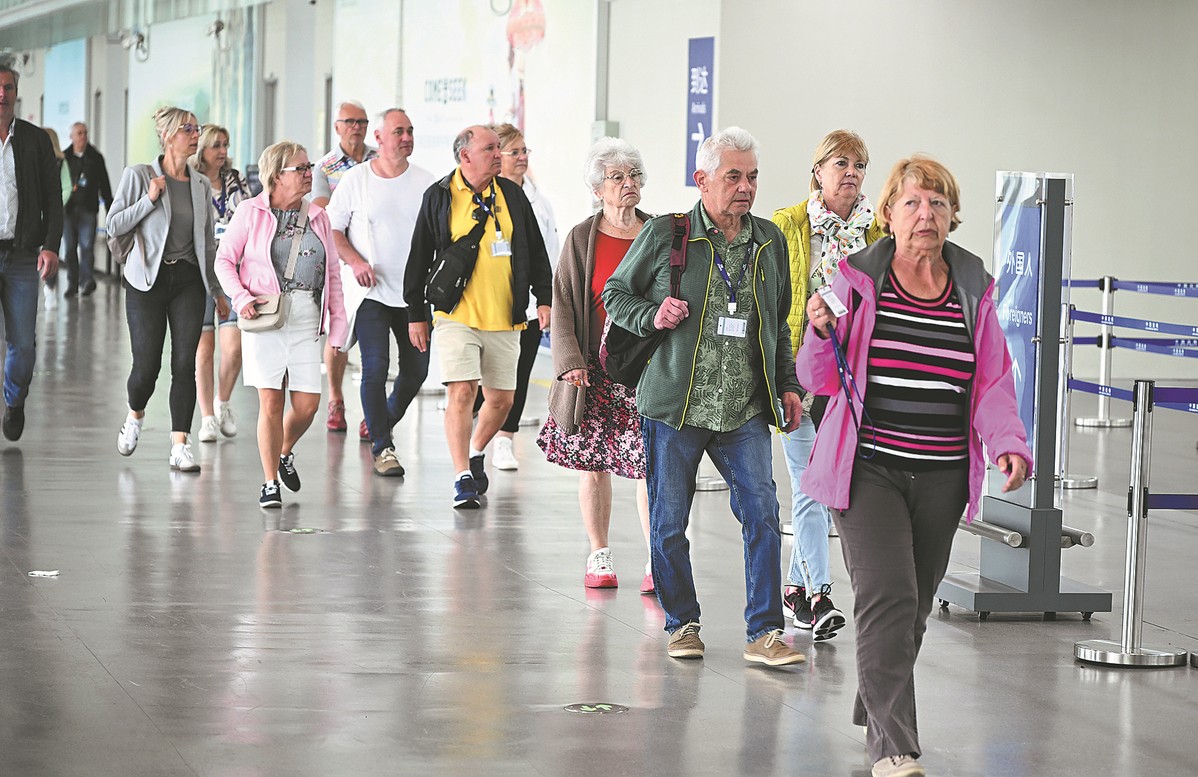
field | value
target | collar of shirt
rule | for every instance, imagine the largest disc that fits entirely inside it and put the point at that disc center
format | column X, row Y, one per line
column 719, row 238
column 12, row 126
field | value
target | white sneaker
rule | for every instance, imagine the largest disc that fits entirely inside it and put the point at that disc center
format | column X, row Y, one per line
column 208, row 428
column 502, row 457
column 228, row 425
column 51, row 297
column 126, row 439
column 181, row 458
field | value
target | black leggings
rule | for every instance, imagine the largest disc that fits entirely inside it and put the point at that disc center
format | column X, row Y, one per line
column 176, row 300
column 530, row 341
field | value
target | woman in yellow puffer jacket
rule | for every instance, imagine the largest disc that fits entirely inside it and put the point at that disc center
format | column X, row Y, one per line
column 834, row 222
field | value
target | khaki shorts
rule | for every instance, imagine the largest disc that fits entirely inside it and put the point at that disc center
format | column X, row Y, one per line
column 465, row 353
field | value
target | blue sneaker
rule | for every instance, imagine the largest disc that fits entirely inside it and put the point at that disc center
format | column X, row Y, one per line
column 481, row 481
column 465, row 493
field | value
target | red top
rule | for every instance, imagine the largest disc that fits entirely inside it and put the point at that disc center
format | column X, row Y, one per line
column 609, row 252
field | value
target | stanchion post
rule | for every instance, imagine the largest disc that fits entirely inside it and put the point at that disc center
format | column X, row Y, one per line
column 1103, row 419
column 1064, row 405
column 1129, row 651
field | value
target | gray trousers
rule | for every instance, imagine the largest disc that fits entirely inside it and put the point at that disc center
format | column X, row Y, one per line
column 896, row 537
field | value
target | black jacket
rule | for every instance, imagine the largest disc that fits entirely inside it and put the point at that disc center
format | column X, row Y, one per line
column 530, row 262
column 89, row 179
column 39, row 189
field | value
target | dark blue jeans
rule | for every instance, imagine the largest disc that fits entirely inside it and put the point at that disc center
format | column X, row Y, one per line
column 79, row 241
column 18, row 298
column 374, row 325
column 176, row 300
column 744, row 458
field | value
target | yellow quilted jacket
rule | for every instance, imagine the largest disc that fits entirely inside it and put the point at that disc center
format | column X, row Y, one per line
column 797, row 230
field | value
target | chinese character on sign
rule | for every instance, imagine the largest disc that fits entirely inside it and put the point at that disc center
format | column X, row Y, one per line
column 1020, row 259
column 699, row 80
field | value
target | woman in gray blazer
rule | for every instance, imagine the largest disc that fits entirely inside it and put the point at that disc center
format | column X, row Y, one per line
column 168, row 275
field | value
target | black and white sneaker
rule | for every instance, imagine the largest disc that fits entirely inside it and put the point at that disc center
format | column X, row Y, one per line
column 826, row 620
column 795, row 599
column 481, row 481
column 288, row 474
column 270, row 495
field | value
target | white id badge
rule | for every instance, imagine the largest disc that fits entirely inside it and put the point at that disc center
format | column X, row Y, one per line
column 218, row 230
column 832, row 301
column 501, row 247
column 733, row 327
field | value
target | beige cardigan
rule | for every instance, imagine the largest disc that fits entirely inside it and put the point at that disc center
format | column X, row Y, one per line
column 570, row 323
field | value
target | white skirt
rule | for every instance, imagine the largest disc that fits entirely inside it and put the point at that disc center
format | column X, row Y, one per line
column 292, row 352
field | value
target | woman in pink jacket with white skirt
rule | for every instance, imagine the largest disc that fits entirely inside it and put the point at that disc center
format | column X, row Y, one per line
column 257, row 260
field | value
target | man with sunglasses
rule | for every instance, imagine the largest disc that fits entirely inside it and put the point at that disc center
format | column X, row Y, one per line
column 351, row 150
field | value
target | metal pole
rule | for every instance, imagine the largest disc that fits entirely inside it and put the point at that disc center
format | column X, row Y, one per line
column 1129, row 651
column 1064, row 405
column 1104, row 420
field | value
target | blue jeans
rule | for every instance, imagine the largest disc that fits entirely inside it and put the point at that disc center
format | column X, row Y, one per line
column 374, row 326
column 809, row 519
column 79, row 241
column 18, row 298
column 744, row 458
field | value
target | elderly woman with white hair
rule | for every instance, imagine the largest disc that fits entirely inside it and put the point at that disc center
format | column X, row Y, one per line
column 280, row 244
column 168, row 275
column 593, row 423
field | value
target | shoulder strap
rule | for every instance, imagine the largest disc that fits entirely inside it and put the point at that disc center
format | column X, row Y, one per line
column 682, row 228
column 296, row 238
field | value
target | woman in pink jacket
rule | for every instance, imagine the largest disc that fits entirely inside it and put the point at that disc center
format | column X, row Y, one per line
column 252, row 261
column 898, row 455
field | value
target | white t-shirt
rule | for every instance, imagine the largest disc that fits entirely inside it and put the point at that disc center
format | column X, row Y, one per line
column 378, row 215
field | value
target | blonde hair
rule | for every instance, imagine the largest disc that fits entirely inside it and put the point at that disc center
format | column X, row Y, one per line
column 507, row 133
column 54, row 142
column 274, row 159
column 839, row 142
column 924, row 172
column 207, row 140
column 167, row 122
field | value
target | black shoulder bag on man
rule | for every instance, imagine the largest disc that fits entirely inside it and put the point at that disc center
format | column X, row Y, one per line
column 624, row 354
column 454, row 264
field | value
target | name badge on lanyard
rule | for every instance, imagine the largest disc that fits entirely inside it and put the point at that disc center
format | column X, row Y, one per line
column 499, row 246
column 730, row 325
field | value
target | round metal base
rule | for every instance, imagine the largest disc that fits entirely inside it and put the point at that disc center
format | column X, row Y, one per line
column 530, row 420
column 432, row 390
column 787, row 529
column 708, row 483
column 1102, row 423
column 1194, row 660
column 1104, row 651
column 1072, row 482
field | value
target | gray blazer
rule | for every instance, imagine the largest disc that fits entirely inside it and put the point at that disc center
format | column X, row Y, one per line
column 131, row 208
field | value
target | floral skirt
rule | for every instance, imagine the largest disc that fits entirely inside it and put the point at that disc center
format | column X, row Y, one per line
column 609, row 435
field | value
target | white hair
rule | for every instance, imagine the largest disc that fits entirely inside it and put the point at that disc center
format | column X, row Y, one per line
column 707, row 158
column 610, row 152
column 352, row 104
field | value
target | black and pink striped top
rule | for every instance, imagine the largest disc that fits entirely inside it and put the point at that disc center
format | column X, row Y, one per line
column 921, row 363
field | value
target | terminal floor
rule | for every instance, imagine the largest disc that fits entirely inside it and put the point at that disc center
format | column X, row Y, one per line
column 190, row 633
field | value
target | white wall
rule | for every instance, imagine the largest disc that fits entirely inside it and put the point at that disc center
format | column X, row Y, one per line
column 297, row 50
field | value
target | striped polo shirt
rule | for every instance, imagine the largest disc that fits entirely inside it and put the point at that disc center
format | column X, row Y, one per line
column 921, row 363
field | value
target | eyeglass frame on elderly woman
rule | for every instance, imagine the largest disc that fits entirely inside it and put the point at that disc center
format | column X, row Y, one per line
column 635, row 174
column 301, row 169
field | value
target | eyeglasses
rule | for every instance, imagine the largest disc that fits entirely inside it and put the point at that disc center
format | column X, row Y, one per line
column 301, row 169
column 190, row 128
column 356, row 122
column 518, row 152
column 619, row 176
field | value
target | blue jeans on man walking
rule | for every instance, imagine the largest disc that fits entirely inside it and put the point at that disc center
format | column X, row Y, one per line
column 18, row 297
column 745, row 460
column 809, row 520
column 374, row 325
column 79, row 241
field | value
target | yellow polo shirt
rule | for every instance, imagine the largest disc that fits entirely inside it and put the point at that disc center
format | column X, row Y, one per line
column 487, row 299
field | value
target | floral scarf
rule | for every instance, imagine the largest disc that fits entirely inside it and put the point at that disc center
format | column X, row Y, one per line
column 840, row 237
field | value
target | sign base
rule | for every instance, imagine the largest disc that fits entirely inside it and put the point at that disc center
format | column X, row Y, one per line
column 1105, row 651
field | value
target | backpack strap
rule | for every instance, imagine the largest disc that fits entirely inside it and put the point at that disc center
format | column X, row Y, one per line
column 682, row 228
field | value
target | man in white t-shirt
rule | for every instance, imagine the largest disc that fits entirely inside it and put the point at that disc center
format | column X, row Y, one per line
column 373, row 213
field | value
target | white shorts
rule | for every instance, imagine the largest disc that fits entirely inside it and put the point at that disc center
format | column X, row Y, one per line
column 293, row 351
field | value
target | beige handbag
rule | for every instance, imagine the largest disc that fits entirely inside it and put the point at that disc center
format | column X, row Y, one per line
column 272, row 313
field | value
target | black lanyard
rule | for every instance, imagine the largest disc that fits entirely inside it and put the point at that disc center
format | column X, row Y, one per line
column 222, row 204
column 732, row 288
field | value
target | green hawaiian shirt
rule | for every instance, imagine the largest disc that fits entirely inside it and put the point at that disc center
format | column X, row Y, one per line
column 727, row 388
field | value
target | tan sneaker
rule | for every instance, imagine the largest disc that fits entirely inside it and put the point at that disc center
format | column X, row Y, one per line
column 769, row 649
column 685, row 642
column 898, row 766
column 387, row 464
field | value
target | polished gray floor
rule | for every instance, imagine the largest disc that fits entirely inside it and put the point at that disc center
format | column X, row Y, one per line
column 190, row 633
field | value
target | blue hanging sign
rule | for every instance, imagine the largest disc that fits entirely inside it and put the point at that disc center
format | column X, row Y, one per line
column 699, row 99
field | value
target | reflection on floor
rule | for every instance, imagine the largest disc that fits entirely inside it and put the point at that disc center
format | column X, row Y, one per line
column 190, row 633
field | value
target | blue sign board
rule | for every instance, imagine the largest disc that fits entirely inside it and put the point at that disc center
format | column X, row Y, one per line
column 699, row 99
column 1017, row 255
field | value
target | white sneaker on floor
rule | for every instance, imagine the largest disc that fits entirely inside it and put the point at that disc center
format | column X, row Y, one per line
column 208, row 428
column 181, row 458
column 502, row 457
column 228, row 424
column 126, row 439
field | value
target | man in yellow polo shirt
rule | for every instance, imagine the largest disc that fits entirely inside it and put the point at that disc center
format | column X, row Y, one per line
column 478, row 338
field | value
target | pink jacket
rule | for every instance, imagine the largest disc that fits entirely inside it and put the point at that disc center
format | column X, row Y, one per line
column 247, row 241
column 994, row 413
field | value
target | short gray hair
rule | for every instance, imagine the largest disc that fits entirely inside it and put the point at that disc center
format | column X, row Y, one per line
column 274, row 159
column 610, row 152
column 461, row 141
column 707, row 158
column 352, row 104
column 382, row 117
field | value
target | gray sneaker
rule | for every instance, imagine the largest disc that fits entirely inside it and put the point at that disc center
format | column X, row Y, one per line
column 898, row 766
column 771, row 650
column 387, row 464
column 685, row 642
